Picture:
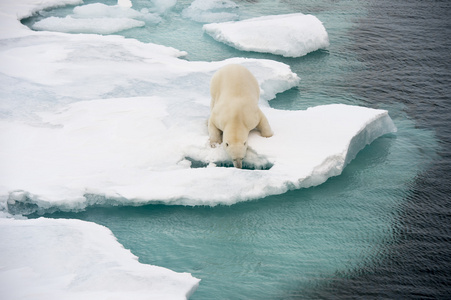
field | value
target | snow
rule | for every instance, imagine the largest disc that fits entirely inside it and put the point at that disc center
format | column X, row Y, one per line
column 125, row 3
column 290, row 35
column 72, row 259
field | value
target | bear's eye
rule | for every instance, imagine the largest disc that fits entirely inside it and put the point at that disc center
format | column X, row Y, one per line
column 227, row 144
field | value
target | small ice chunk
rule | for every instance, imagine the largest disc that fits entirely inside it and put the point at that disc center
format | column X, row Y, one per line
column 92, row 25
column 206, row 11
column 290, row 35
column 124, row 3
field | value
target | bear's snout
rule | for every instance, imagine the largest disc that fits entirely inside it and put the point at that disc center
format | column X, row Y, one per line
column 238, row 163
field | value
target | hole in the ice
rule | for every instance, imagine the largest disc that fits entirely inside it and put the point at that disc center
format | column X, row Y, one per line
column 228, row 164
column 24, row 207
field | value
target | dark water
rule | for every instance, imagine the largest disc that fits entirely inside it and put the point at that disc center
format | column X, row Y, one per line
column 407, row 48
column 335, row 241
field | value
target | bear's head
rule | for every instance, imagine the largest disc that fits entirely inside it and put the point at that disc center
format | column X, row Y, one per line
column 236, row 149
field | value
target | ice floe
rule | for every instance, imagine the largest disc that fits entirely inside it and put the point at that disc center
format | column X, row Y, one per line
column 92, row 25
column 129, row 127
column 99, row 18
column 73, row 259
column 125, row 3
column 290, row 35
column 133, row 151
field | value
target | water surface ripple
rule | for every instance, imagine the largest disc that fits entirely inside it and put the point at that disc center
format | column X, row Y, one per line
column 382, row 229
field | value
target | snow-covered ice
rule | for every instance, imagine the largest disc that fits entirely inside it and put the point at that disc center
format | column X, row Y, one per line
column 91, row 25
column 72, row 259
column 98, row 18
column 88, row 119
column 125, row 3
column 138, row 150
column 110, row 120
column 290, row 35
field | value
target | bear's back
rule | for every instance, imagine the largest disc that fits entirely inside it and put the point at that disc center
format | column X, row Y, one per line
column 234, row 83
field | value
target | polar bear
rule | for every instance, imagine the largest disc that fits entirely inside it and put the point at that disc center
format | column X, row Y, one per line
column 234, row 111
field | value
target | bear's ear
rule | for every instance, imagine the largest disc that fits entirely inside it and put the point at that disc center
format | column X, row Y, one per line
column 245, row 143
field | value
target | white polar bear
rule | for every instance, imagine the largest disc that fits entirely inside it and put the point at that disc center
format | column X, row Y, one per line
column 234, row 111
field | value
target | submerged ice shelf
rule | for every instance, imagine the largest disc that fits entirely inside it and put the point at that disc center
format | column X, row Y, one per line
column 211, row 11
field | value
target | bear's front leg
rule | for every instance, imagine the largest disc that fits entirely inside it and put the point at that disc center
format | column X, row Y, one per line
column 214, row 133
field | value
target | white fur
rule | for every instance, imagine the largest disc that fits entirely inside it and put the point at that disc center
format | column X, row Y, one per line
column 234, row 111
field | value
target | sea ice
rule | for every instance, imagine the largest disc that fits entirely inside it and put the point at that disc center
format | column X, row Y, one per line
column 91, row 25
column 13, row 11
column 137, row 150
column 98, row 18
column 290, row 35
column 124, row 3
column 72, row 259
column 67, row 259
column 138, row 141
column 90, row 119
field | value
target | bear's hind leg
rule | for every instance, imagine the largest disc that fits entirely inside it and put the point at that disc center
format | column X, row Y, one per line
column 263, row 126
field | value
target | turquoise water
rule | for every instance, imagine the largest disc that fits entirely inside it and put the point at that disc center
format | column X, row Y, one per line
column 269, row 248
column 290, row 245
